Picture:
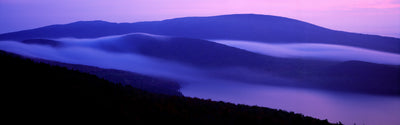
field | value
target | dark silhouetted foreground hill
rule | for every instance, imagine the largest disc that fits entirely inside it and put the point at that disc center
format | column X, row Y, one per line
column 41, row 93
column 263, row 28
column 147, row 83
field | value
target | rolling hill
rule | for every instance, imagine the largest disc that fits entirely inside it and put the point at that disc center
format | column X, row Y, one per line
column 41, row 93
column 222, row 61
column 252, row 27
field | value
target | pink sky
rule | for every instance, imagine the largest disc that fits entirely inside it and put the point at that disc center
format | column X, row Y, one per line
column 380, row 17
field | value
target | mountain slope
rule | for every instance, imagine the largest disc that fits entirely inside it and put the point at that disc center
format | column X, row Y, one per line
column 195, row 52
column 42, row 93
column 147, row 83
column 221, row 61
column 361, row 76
column 263, row 28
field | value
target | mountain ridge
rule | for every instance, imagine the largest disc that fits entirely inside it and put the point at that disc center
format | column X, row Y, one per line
column 41, row 93
column 207, row 55
column 252, row 27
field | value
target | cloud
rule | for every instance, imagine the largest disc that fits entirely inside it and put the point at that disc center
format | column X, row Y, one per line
column 94, row 57
column 78, row 51
column 92, row 52
column 376, row 4
column 202, row 83
column 316, row 51
column 87, row 52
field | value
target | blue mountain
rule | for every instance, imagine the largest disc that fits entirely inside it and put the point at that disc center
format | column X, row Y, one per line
column 261, row 28
column 353, row 76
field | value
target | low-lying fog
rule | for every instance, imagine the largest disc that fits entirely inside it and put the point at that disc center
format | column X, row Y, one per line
column 316, row 51
column 196, row 82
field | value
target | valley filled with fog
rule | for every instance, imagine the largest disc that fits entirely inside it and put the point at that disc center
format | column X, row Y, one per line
column 236, row 82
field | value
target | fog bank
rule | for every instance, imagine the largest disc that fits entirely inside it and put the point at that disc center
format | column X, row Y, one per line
column 316, row 51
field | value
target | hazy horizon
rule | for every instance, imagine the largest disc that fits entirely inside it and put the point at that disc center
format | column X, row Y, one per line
column 377, row 17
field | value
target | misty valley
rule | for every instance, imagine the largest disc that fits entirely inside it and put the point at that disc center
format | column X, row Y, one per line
column 261, row 60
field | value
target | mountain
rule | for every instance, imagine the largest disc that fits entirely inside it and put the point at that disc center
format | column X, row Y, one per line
column 362, row 76
column 190, row 51
column 147, row 83
column 262, row 28
column 42, row 93
column 222, row 61
column 355, row 76
column 52, row 43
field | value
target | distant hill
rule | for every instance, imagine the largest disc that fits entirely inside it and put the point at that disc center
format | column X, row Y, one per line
column 194, row 52
column 209, row 55
column 52, row 43
column 262, row 28
column 361, row 76
column 41, row 93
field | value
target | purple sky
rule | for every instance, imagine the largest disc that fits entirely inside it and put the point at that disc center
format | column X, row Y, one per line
column 380, row 17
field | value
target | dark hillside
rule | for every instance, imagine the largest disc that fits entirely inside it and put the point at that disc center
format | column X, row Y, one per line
column 41, row 93
column 357, row 76
column 144, row 82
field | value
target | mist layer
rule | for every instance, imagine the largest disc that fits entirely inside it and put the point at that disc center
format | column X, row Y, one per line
column 316, row 51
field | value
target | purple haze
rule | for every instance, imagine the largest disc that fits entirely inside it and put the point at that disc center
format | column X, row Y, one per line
column 345, row 107
column 380, row 17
